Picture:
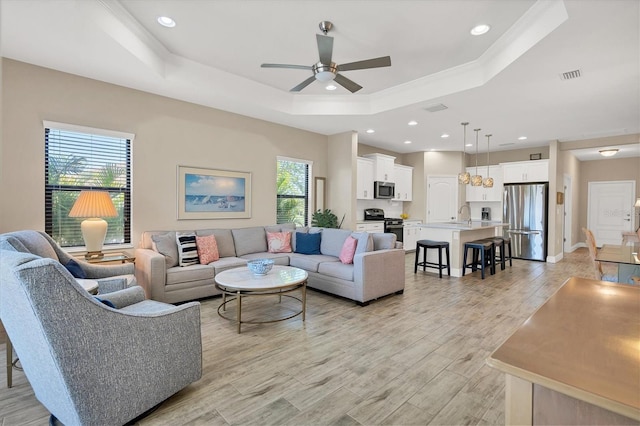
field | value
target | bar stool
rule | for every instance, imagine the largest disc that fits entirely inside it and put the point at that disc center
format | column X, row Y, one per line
column 499, row 244
column 430, row 244
column 486, row 250
column 503, row 252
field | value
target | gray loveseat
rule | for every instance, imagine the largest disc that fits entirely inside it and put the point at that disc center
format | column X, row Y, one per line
column 377, row 269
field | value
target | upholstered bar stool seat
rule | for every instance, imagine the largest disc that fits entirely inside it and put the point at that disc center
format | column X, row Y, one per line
column 498, row 257
column 430, row 244
column 482, row 248
column 505, row 252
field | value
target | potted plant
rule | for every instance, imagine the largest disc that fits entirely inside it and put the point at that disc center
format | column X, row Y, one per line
column 325, row 219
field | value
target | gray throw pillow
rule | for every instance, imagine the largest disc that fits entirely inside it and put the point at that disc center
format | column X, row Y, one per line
column 165, row 244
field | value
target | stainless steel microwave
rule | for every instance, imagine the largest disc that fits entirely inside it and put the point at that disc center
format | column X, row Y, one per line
column 384, row 190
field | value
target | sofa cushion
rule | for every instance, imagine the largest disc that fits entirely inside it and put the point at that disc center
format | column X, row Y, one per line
column 308, row 243
column 207, row 249
column 187, row 251
column 300, row 229
column 337, row 270
column 365, row 241
column 249, row 240
column 279, row 242
column 224, row 240
column 197, row 272
column 333, row 240
column 225, row 263
column 384, row 241
column 166, row 245
column 348, row 250
column 310, row 262
column 281, row 227
column 278, row 258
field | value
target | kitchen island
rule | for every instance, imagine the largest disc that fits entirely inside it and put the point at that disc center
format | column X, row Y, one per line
column 456, row 234
column 577, row 359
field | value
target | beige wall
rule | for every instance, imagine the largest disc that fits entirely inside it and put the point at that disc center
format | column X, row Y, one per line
column 342, row 171
column 507, row 156
column 167, row 132
column 569, row 165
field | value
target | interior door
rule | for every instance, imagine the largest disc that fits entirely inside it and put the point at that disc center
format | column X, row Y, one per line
column 442, row 198
column 610, row 210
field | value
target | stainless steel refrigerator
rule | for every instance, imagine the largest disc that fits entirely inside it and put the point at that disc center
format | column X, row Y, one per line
column 525, row 209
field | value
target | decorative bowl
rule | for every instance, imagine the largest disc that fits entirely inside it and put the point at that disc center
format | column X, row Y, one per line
column 260, row 266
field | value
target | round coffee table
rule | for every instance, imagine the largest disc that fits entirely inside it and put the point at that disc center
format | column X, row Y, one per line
column 241, row 282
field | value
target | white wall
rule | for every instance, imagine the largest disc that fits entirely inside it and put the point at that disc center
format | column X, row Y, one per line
column 167, row 132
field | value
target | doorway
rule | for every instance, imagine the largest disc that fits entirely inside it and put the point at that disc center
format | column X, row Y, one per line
column 442, row 198
column 610, row 211
column 567, row 223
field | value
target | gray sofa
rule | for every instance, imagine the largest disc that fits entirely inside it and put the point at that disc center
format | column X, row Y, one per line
column 377, row 269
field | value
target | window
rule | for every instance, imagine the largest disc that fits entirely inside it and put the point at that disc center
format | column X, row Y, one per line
column 293, row 191
column 78, row 158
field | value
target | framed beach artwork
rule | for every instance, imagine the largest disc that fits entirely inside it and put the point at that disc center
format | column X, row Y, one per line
column 213, row 194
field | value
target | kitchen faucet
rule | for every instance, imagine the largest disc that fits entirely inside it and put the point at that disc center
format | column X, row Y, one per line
column 468, row 209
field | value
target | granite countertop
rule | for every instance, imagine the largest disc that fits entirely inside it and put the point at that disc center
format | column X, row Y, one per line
column 464, row 225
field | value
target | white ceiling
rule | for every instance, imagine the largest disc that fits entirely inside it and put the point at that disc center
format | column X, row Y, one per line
column 506, row 82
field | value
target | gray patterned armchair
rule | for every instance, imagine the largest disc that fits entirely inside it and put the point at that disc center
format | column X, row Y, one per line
column 88, row 363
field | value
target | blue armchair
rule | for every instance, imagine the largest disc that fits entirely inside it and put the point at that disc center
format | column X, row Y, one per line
column 89, row 363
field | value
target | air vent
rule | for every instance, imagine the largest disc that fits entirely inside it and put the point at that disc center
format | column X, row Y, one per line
column 570, row 75
column 436, row 107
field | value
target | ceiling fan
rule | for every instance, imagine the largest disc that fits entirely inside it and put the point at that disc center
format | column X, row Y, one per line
column 325, row 70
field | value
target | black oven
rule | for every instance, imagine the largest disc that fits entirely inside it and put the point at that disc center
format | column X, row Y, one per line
column 391, row 224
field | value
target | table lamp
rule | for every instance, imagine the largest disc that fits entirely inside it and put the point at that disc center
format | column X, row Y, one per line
column 94, row 205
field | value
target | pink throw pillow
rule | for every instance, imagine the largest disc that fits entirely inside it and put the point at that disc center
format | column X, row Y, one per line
column 348, row 250
column 279, row 242
column 207, row 249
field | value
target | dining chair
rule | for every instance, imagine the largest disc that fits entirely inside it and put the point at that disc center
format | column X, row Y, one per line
column 610, row 274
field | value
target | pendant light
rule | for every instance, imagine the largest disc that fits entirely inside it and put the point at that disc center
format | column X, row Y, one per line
column 476, row 180
column 464, row 177
column 488, row 181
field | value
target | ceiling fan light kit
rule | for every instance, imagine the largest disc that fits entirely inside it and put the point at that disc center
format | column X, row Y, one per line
column 325, row 70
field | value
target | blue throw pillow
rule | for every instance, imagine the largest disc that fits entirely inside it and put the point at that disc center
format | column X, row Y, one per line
column 308, row 243
column 106, row 302
column 75, row 269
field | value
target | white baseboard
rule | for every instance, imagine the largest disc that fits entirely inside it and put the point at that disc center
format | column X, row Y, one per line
column 555, row 259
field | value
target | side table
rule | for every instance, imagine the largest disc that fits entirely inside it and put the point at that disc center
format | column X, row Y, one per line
column 113, row 257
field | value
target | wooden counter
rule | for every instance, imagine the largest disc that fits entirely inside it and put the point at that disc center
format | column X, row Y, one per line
column 583, row 343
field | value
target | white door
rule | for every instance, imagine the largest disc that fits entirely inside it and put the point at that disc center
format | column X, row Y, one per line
column 610, row 209
column 442, row 198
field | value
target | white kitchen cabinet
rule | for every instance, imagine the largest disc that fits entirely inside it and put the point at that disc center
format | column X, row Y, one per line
column 403, row 176
column 364, row 180
column 372, row 227
column 382, row 167
column 411, row 234
column 526, row 171
column 480, row 193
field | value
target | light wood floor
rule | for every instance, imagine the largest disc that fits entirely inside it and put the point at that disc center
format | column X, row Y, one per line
column 411, row 359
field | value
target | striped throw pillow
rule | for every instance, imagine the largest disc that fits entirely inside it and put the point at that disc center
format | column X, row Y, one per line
column 187, row 249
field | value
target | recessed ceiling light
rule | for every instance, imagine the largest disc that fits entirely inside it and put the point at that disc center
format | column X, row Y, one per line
column 370, row 131
column 480, row 29
column 469, row 144
column 608, row 152
column 522, row 138
column 444, row 135
column 407, row 142
column 413, row 123
column 165, row 21
column 331, row 87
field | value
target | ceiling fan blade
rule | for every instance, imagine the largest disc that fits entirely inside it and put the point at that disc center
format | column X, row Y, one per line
column 304, row 84
column 347, row 84
column 384, row 61
column 297, row 67
column 325, row 48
